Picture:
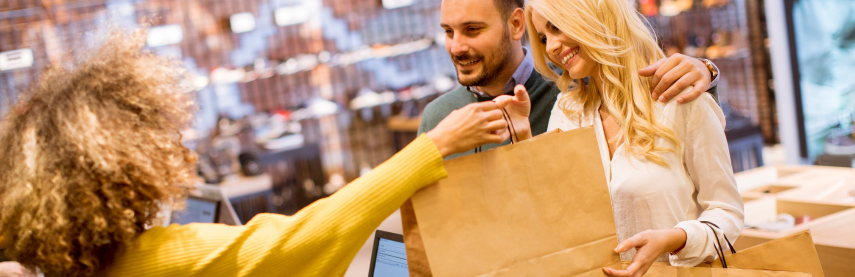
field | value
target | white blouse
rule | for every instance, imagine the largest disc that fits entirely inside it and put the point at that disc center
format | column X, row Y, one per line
column 698, row 185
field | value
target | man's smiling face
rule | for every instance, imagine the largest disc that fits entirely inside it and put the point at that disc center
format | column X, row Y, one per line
column 477, row 39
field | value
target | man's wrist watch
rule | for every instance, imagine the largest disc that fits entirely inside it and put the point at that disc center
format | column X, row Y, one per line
column 713, row 71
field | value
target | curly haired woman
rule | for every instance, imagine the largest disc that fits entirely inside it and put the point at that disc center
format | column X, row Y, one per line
column 667, row 165
column 93, row 150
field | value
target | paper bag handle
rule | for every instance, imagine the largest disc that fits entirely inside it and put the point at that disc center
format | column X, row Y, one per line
column 717, row 244
column 511, row 129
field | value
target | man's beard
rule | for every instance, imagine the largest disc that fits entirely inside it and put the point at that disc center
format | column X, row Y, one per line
column 491, row 67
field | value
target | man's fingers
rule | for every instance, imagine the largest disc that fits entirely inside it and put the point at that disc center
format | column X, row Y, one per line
column 520, row 93
column 676, row 88
column 662, row 70
column 668, row 79
column 697, row 91
column 649, row 70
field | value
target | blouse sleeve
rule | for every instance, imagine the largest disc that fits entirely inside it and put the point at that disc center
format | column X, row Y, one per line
column 707, row 160
column 557, row 119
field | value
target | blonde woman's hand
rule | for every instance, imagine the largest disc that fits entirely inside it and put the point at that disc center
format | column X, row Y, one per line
column 519, row 109
column 674, row 74
column 649, row 245
column 473, row 125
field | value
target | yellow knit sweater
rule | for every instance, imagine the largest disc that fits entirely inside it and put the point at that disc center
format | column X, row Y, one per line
column 320, row 240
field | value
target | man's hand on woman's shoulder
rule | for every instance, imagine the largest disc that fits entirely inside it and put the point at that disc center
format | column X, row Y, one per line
column 672, row 75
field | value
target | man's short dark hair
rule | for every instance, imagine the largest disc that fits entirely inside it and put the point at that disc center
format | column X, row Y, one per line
column 507, row 7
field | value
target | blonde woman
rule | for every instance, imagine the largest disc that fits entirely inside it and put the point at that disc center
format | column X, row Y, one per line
column 667, row 164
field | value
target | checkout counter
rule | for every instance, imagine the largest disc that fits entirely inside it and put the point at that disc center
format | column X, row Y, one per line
column 819, row 198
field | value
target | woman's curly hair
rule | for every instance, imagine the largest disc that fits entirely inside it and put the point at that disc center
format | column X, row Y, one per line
column 90, row 154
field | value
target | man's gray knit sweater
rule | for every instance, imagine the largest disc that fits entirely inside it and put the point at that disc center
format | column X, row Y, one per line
column 543, row 94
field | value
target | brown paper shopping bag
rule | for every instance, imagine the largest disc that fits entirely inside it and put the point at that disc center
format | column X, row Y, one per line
column 417, row 262
column 795, row 253
column 536, row 208
column 666, row 270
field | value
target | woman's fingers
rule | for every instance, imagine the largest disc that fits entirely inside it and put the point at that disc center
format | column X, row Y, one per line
column 630, row 243
column 496, row 125
column 639, row 265
column 496, row 138
column 492, row 115
column 481, row 106
column 503, row 101
column 644, row 268
column 618, row 272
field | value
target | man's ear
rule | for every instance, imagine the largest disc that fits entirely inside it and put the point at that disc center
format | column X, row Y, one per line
column 516, row 22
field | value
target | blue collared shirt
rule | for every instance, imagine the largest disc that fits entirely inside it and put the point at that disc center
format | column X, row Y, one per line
column 519, row 77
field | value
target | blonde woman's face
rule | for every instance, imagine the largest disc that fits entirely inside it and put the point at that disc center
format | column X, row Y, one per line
column 561, row 50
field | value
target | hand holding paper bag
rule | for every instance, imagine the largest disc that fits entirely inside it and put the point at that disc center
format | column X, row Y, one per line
column 518, row 109
column 536, row 208
column 469, row 127
column 542, row 208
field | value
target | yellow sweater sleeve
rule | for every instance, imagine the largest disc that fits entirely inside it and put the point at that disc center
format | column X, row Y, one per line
column 320, row 240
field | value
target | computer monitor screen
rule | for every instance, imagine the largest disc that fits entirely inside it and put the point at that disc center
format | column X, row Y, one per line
column 199, row 210
column 391, row 260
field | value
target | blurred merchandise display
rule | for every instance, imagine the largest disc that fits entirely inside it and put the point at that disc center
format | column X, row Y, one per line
column 780, row 223
column 317, row 93
column 298, row 89
column 674, row 7
column 744, row 140
column 732, row 34
column 839, row 142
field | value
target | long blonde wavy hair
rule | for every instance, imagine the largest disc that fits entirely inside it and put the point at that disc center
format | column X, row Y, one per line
column 89, row 154
column 616, row 37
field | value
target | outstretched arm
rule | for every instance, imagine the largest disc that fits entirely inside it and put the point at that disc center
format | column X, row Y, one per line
column 322, row 238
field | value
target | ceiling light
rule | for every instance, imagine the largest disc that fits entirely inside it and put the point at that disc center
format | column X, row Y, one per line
column 393, row 4
column 291, row 15
column 165, row 35
column 242, row 22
